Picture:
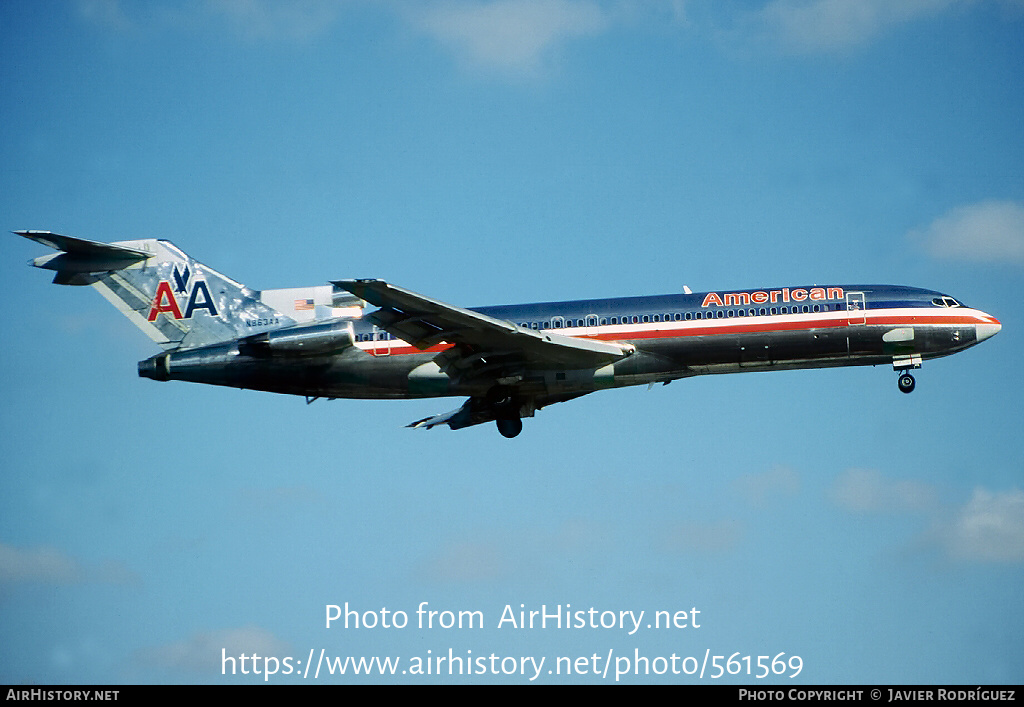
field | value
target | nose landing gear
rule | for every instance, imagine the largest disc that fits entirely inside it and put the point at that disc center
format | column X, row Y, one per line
column 903, row 365
column 906, row 383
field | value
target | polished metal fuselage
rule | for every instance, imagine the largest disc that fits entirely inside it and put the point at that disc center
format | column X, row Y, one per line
column 886, row 325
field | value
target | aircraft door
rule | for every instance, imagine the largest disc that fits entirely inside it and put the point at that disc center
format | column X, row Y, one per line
column 592, row 325
column 855, row 308
column 381, row 343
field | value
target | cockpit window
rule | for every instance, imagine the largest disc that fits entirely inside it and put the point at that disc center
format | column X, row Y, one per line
column 945, row 301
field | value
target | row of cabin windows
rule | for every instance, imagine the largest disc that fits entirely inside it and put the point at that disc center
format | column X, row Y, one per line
column 380, row 336
column 559, row 323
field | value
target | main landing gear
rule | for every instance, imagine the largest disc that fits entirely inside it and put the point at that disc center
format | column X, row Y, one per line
column 509, row 426
column 505, row 404
column 906, row 383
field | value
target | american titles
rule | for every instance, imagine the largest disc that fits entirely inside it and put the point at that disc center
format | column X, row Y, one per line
column 797, row 294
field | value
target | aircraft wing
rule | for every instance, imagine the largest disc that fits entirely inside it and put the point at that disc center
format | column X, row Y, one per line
column 479, row 341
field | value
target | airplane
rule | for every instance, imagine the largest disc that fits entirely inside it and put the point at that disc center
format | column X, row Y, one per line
column 510, row 360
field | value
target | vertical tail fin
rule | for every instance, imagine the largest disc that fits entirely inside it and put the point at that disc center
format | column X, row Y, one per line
column 177, row 301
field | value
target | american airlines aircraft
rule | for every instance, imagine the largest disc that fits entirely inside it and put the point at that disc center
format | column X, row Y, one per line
column 510, row 360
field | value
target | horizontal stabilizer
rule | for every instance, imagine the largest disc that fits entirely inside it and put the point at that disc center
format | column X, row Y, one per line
column 80, row 246
column 79, row 257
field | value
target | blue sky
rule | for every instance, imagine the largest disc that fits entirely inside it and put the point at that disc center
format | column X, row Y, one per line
column 507, row 151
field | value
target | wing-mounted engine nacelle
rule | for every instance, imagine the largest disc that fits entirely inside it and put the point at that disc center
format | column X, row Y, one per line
column 307, row 340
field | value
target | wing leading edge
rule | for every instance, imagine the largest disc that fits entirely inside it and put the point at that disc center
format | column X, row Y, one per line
column 425, row 322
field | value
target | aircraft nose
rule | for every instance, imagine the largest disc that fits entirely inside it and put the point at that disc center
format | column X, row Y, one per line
column 988, row 329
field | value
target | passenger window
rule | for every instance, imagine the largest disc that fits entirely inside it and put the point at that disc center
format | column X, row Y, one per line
column 657, row 318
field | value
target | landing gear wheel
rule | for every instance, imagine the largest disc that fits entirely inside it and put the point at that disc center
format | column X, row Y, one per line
column 510, row 426
column 906, row 383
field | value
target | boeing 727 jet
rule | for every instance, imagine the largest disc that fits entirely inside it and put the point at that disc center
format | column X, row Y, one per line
column 511, row 360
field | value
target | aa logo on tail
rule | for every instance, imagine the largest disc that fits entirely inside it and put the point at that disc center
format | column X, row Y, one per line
column 198, row 297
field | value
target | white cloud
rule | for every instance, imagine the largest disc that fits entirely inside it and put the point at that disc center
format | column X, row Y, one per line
column 494, row 556
column 107, row 13
column 38, row 564
column 989, row 528
column 704, row 537
column 202, row 652
column 509, row 35
column 867, row 491
column 811, row 26
column 48, row 565
column 761, row 489
column 520, row 36
column 256, row 20
column 989, row 231
column 277, row 19
column 468, row 562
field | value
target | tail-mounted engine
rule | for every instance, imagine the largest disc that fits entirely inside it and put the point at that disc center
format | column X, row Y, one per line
column 308, row 340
